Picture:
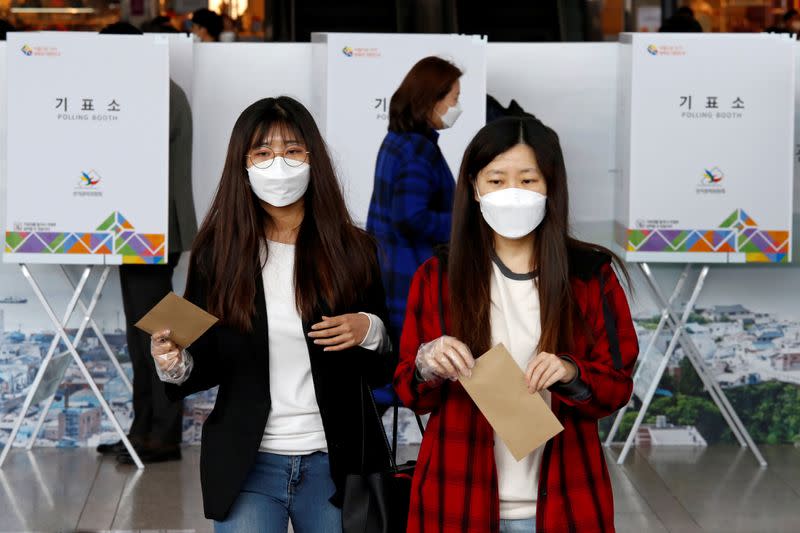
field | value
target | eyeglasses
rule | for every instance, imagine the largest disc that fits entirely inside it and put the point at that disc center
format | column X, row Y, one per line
column 263, row 157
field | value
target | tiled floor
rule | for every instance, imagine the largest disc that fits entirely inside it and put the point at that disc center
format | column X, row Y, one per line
column 719, row 489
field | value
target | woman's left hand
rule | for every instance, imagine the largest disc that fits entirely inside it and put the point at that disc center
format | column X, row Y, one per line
column 546, row 369
column 340, row 332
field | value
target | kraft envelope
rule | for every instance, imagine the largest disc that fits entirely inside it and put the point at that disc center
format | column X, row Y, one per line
column 521, row 419
column 186, row 321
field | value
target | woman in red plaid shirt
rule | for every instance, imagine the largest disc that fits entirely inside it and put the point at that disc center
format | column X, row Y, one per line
column 514, row 275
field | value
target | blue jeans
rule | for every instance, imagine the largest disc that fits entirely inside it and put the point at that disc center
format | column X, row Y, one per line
column 280, row 487
column 526, row 525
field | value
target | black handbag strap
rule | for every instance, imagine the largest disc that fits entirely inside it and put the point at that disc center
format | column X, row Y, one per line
column 391, row 450
column 373, row 409
column 396, row 411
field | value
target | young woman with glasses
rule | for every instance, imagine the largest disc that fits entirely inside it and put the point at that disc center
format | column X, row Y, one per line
column 298, row 292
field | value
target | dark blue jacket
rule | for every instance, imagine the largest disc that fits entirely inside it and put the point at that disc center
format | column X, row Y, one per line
column 410, row 212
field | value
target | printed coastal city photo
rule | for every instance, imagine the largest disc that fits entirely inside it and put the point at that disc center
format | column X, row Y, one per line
column 747, row 333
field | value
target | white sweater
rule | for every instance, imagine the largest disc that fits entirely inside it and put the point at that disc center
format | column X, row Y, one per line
column 516, row 322
column 294, row 425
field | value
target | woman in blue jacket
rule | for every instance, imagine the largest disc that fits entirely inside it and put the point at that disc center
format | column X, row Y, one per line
column 412, row 199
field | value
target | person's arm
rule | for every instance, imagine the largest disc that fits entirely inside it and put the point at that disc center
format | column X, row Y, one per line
column 413, row 187
column 364, row 331
column 604, row 385
column 206, row 366
column 382, row 358
column 416, row 393
column 377, row 338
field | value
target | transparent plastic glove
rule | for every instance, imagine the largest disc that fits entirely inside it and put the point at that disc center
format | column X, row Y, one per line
column 444, row 358
column 173, row 363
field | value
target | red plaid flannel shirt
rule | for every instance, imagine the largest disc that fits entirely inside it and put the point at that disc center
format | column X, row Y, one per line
column 455, row 481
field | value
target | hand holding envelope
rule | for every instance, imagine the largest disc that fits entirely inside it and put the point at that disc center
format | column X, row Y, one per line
column 174, row 324
column 185, row 321
column 500, row 390
column 166, row 353
column 444, row 358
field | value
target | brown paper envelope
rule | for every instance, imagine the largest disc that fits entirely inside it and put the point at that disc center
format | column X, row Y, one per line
column 521, row 419
column 186, row 321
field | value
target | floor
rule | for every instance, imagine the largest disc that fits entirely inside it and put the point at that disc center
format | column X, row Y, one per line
column 679, row 490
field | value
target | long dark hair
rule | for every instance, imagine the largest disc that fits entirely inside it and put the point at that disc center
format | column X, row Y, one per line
column 333, row 258
column 472, row 243
column 428, row 81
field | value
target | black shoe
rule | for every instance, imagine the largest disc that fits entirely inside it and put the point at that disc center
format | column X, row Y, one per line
column 114, row 448
column 152, row 455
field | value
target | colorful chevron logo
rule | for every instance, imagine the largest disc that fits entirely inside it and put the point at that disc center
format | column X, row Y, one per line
column 738, row 233
column 115, row 236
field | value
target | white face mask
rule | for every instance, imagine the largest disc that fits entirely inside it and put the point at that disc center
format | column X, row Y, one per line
column 513, row 213
column 227, row 37
column 196, row 38
column 279, row 184
column 451, row 115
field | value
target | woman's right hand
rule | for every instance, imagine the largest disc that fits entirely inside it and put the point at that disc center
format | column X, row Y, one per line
column 444, row 358
column 166, row 353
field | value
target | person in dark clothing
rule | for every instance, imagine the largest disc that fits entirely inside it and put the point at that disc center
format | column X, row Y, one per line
column 120, row 28
column 156, row 431
column 159, row 24
column 682, row 21
column 5, row 27
column 412, row 199
column 788, row 23
column 206, row 26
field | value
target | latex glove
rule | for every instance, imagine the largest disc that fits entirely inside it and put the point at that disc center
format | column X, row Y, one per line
column 444, row 358
column 173, row 363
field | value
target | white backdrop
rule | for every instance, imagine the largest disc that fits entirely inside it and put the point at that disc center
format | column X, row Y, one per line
column 571, row 87
column 87, row 153
column 708, row 124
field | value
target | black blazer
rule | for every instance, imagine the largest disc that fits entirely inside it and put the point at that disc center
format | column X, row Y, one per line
column 238, row 363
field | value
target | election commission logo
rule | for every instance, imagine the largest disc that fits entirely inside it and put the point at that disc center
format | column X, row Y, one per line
column 360, row 52
column 89, row 184
column 711, row 182
column 666, row 50
column 40, row 51
column 89, row 179
column 712, row 177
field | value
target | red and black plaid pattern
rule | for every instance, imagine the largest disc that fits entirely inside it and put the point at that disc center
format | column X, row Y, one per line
column 455, row 482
